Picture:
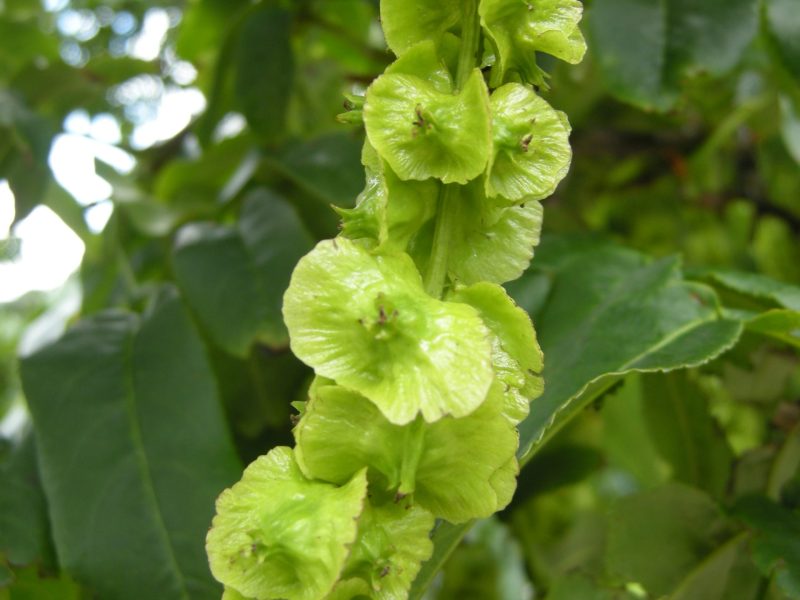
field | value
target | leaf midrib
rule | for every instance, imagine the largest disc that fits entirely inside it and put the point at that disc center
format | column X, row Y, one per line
column 142, row 460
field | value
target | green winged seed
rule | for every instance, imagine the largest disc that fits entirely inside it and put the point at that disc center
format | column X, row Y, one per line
column 521, row 28
column 455, row 468
column 517, row 358
column 423, row 61
column 277, row 534
column 232, row 594
column 393, row 541
column 390, row 211
column 365, row 321
column 491, row 241
column 423, row 132
column 406, row 22
column 531, row 152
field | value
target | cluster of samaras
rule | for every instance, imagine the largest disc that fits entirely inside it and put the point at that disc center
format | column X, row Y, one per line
column 424, row 365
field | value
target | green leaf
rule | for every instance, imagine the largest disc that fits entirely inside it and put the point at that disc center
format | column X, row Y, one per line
column 489, row 564
column 786, row 466
column 448, row 466
column 783, row 25
column 685, row 433
column 24, row 525
column 9, row 249
column 712, row 579
column 30, row 584
column 577, row 585
column 327, row 167
column 25, row 167
column 518, row 30
column 365, row 321
column 777, row 303
column 776, row 545
column 783, row 325
column 278, row 535
column 679, row 525
column 760, row 287
column 133, row 450
column 423, row 132
column 646, row 48
column 407, row 22
column 393, row 540
column 790, row 121
column 611, row 311
column 517, row 358
column 234, row 278
column 265, row 70
column 29, row 181
column 626, row 439
column 531, row 152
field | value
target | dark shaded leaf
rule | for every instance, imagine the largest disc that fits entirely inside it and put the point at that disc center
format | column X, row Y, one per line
column 24, row 527
column 645, row 48
column 234, row 278
column 711, row 579
column 133, row 450
column 783, row 24
column 776, row 545
column 685, row 433
column 265, row 70
column 657, row 537
column 328, row 167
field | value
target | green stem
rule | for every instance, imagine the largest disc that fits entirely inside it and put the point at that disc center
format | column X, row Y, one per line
column 448, row 203
column 446, row 215
column 470, row 39
column 413, row 445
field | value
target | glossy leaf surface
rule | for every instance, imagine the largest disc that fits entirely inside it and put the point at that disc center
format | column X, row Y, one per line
column 783, row 23
column 605, row 312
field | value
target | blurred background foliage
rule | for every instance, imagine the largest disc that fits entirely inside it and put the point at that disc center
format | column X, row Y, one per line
column 672, row 246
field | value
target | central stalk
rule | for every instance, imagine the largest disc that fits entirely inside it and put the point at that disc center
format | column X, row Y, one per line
column 448, row 201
